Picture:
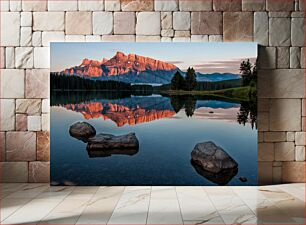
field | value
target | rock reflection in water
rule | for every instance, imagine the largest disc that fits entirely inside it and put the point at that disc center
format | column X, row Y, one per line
column 110, row 152
column 221, row 178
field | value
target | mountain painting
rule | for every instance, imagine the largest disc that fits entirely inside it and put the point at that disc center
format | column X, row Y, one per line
column 153, row 114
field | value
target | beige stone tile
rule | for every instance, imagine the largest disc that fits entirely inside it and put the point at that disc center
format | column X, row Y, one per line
column 24, row 57
column 261, row 28
column 25, row 19
column 181, row 39
column 58, row 5
column 34, row 123
column 281, row 83
column 93, row 38
column 12, row 83
column 10, row 28
column 37, row 39
column 78, row 23
column 297, row 32
column 231, row 5
column 167, row 33
column 14, row 172
column 137, row 5
column 293, row 172
column 285, row 115
column 118, row 38
column 182, row 33
column 10, row 57
column 7, row 114
column 170, row 5
column 45, row 106
column 124, row 22
column 41, row 57
column 45, row 122
column 263, row 121
column 253, row 5
column 37, row 83
column 25, row 36
column 34, row 5
column 199, row 38
column 197, row 5
column 215, row 38
column 290, row 136
column 266, row 152
column 43, row 146
column 112, row 5
column 21, row 122
column 166, row 20
column 300, row 153
column 2, row 57
column 206, row 23
column 266, row 57
column 238, row 26
column 28, row 106
column 20, row 146
column 49, row 36
column 284, row 151
column 300, row 138
column 91, row 5
column 39, row 172
column 181, row 21
column 143, row 38
column 283, row 5
column 275, row 136
column 279, row 32
column 48, row 21
column 283, row 57
column 264, row 173
column 295, row 57
column 5, row 6
column 75, row 38
column 2, row 146
column 9, row 206
column 142, row 27
column 102, row 22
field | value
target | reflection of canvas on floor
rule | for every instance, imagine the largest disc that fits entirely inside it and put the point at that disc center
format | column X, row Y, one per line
column 153, row 114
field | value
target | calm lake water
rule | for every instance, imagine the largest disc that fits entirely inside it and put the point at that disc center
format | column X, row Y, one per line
column 167, row 129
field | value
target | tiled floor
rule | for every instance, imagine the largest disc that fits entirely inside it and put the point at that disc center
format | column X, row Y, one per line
column 41, row 204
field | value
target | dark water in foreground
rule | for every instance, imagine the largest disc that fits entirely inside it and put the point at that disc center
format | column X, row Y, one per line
column 167, row 129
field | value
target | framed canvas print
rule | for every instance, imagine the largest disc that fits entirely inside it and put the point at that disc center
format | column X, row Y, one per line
column 153, row 113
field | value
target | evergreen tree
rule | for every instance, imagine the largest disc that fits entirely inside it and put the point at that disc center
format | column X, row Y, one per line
column 177, row 82
column 190, row 79
column 246, row 72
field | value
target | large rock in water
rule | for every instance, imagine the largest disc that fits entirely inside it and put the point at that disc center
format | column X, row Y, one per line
column 82, row 130
column 109, row 141
column 212, row 157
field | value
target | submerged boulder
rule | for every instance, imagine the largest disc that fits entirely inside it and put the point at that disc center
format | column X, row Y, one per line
column 212, row 158
column 82, row 130
column 109, row 141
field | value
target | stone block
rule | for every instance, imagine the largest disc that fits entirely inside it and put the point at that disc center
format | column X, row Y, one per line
column 37, row 83
column 263, row 105
column 92, row 38
column 279, row 14
column 21, row 146
column 300, row 153
column 281, row 83
column 280, row 5
column 265, row 152
column 2, row 57
column 295, row 57
column 181, row 39
column 206, row 23
column 25, row 36
column 26, row 19
column 142, row 27
column 261, row 28
column 28, row 106
column 302, row 5
column 4, row 5
column 10, row 29
column 57, row 5
column 2, row 146
column 275, row 136
column 137, row 5
column 238, row 26
column 118, row 38
column 300, row 138
column 41, row 57
column 49, row 21
column 169, row 5
column 293, row 172
column 167, row 33
column 7, row 114
column 52, row 36
column 277, row 174
column 12, row 83
column 215, row 38
column 24, row 57
column 112, row 5
column 39, row 172
column 45, row 105
column 37, row 39
column 279, row 33
column 43, row 146
column 182, row 33
column 91, row 5
column 166, row 20
column 181, row 21
column 147, row 38
column 253, row 5
column 21, row 122
column 14, row 172
column 263, row 121
column 34, row 123
column 196, row 5
column 10, row 57
column 303, row 58
column 285, row 115
column 78, row 23
column 228, row 5
column 284, row 151
column 45, row 122
column 102, row 22
column 34, row 5
column 124, row 22
column 199, row 38
column 75, row 38
column 265, row 173
column 166, row 39
column 16, row 6
column 297, row 32
column 266, row 57
column 290, row 136
column 283, row 57
column 260, row 137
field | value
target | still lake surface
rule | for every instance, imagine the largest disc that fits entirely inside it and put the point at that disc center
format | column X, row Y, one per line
column 167, row 130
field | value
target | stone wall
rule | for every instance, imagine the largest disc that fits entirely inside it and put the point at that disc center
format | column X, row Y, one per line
column 27, row 28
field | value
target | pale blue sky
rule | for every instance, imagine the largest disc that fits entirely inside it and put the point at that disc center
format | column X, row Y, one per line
column 204, row 57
